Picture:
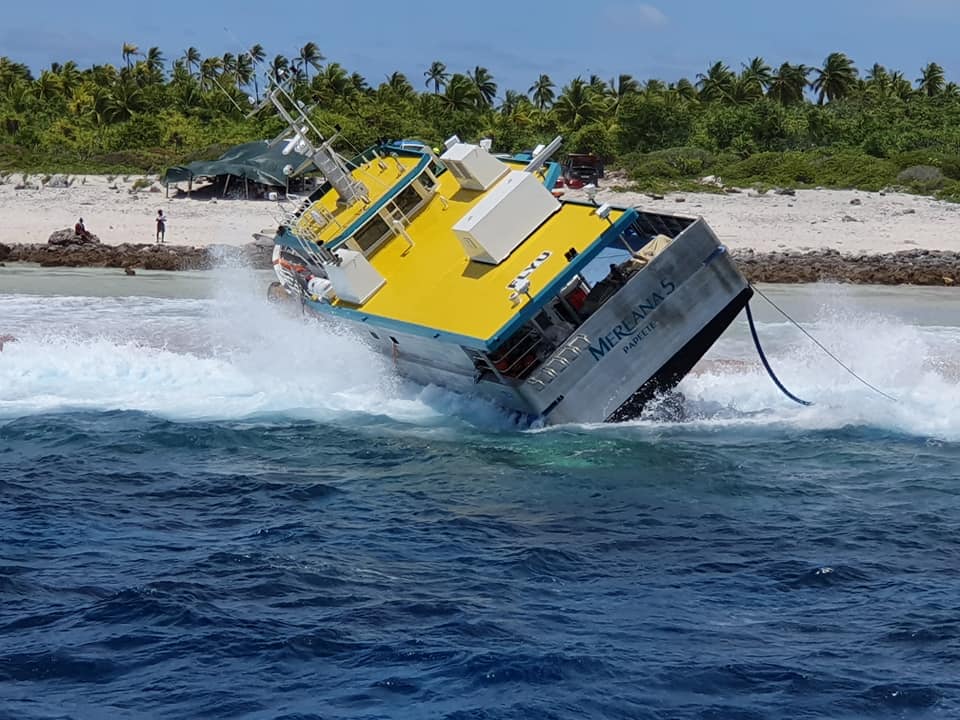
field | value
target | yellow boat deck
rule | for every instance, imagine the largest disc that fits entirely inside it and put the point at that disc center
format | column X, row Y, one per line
column 435, row 285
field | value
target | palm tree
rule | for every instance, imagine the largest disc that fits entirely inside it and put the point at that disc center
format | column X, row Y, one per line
column 461, row 93
column 757, row 74
column 229, row 64
column 685, row 90
column 835, row 79
column 717, row 83
column 310, row 55
column 931, row 81
column 11, row 71
column 653, row 87
column 359, row 83
column 788, row 84
column 184, row 86
column 257, row 56
column 486, row 88
column 331, row 82
column 191, row 56
column 878, row 81
column 155, row 60
column 542, row 92
column 513, row 101
column 625, row 85
column 900, row 86
column 103, row 75
column 243, row 69
column 70, row 77
column 128, row 51
column 48, row 85
column 400, row 86
column 278, row 66
column 209, row 70
column 436, row 74
column 578, row 104
column 743, row 91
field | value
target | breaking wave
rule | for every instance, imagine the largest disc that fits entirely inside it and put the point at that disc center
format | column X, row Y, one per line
column 234, row 357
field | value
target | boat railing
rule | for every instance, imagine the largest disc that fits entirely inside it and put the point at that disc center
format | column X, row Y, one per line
column 559, row 361
column 518, row 358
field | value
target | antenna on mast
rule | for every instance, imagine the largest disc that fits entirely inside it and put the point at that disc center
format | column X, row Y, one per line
column 541, row 155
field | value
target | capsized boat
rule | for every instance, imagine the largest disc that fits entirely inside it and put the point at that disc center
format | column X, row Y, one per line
column 470, row 273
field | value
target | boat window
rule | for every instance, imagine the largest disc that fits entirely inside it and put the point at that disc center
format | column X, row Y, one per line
column 606, row 274
column 428, row 181
column 372, row 233
column 408, row 199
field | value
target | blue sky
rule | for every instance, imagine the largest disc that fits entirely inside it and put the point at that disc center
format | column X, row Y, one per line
column 515, row 39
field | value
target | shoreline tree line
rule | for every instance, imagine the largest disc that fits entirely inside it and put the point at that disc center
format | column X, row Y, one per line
column 791, row 125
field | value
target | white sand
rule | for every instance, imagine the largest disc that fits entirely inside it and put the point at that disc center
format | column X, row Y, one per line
column 813, row 219
column 119, row 216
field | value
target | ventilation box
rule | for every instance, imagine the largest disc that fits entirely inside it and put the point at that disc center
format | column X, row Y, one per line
column 505, row 217
column 472, row 166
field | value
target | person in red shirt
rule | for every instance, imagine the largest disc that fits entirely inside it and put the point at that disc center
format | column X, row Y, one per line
column 80, row 230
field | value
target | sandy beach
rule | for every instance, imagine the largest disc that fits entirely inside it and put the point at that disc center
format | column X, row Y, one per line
column 116, row 215
column 848, row 221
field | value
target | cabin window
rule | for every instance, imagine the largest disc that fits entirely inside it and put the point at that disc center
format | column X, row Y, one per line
column 371, row 234
column 408, row 199
column 427, row 180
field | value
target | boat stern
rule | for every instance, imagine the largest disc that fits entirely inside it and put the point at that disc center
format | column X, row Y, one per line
column 644, row 338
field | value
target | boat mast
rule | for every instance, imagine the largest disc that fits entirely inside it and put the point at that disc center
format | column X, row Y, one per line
column 308, row 140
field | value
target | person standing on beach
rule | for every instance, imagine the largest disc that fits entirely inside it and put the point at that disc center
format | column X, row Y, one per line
column 161, row 226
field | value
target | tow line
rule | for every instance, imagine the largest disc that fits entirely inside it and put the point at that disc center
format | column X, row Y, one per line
column 766, row 363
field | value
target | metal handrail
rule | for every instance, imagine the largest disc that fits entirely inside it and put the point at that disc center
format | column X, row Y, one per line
column 521, row 352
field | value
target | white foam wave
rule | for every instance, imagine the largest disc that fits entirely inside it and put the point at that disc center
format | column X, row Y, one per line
column 235, row 357
column 916, row 365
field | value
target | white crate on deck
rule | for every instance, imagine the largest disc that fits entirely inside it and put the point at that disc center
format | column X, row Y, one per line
column 354, row 280
column 505, row 217
column 472, row 166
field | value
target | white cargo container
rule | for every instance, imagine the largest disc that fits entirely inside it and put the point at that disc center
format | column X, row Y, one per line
column 506, row 216
column 473, row 167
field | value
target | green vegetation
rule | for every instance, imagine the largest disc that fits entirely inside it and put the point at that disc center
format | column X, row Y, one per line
column 793, row 126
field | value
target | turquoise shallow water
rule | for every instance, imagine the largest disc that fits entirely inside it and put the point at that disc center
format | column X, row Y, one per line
column 212, row 509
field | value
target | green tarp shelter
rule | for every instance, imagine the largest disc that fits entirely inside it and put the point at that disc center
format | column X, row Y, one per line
column 255, row 161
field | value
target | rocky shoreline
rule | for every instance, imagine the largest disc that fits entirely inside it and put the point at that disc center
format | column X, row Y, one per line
column 907, row 267
column 146, row 256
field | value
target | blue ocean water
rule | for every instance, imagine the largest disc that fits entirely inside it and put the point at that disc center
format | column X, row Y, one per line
column 211, row 508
